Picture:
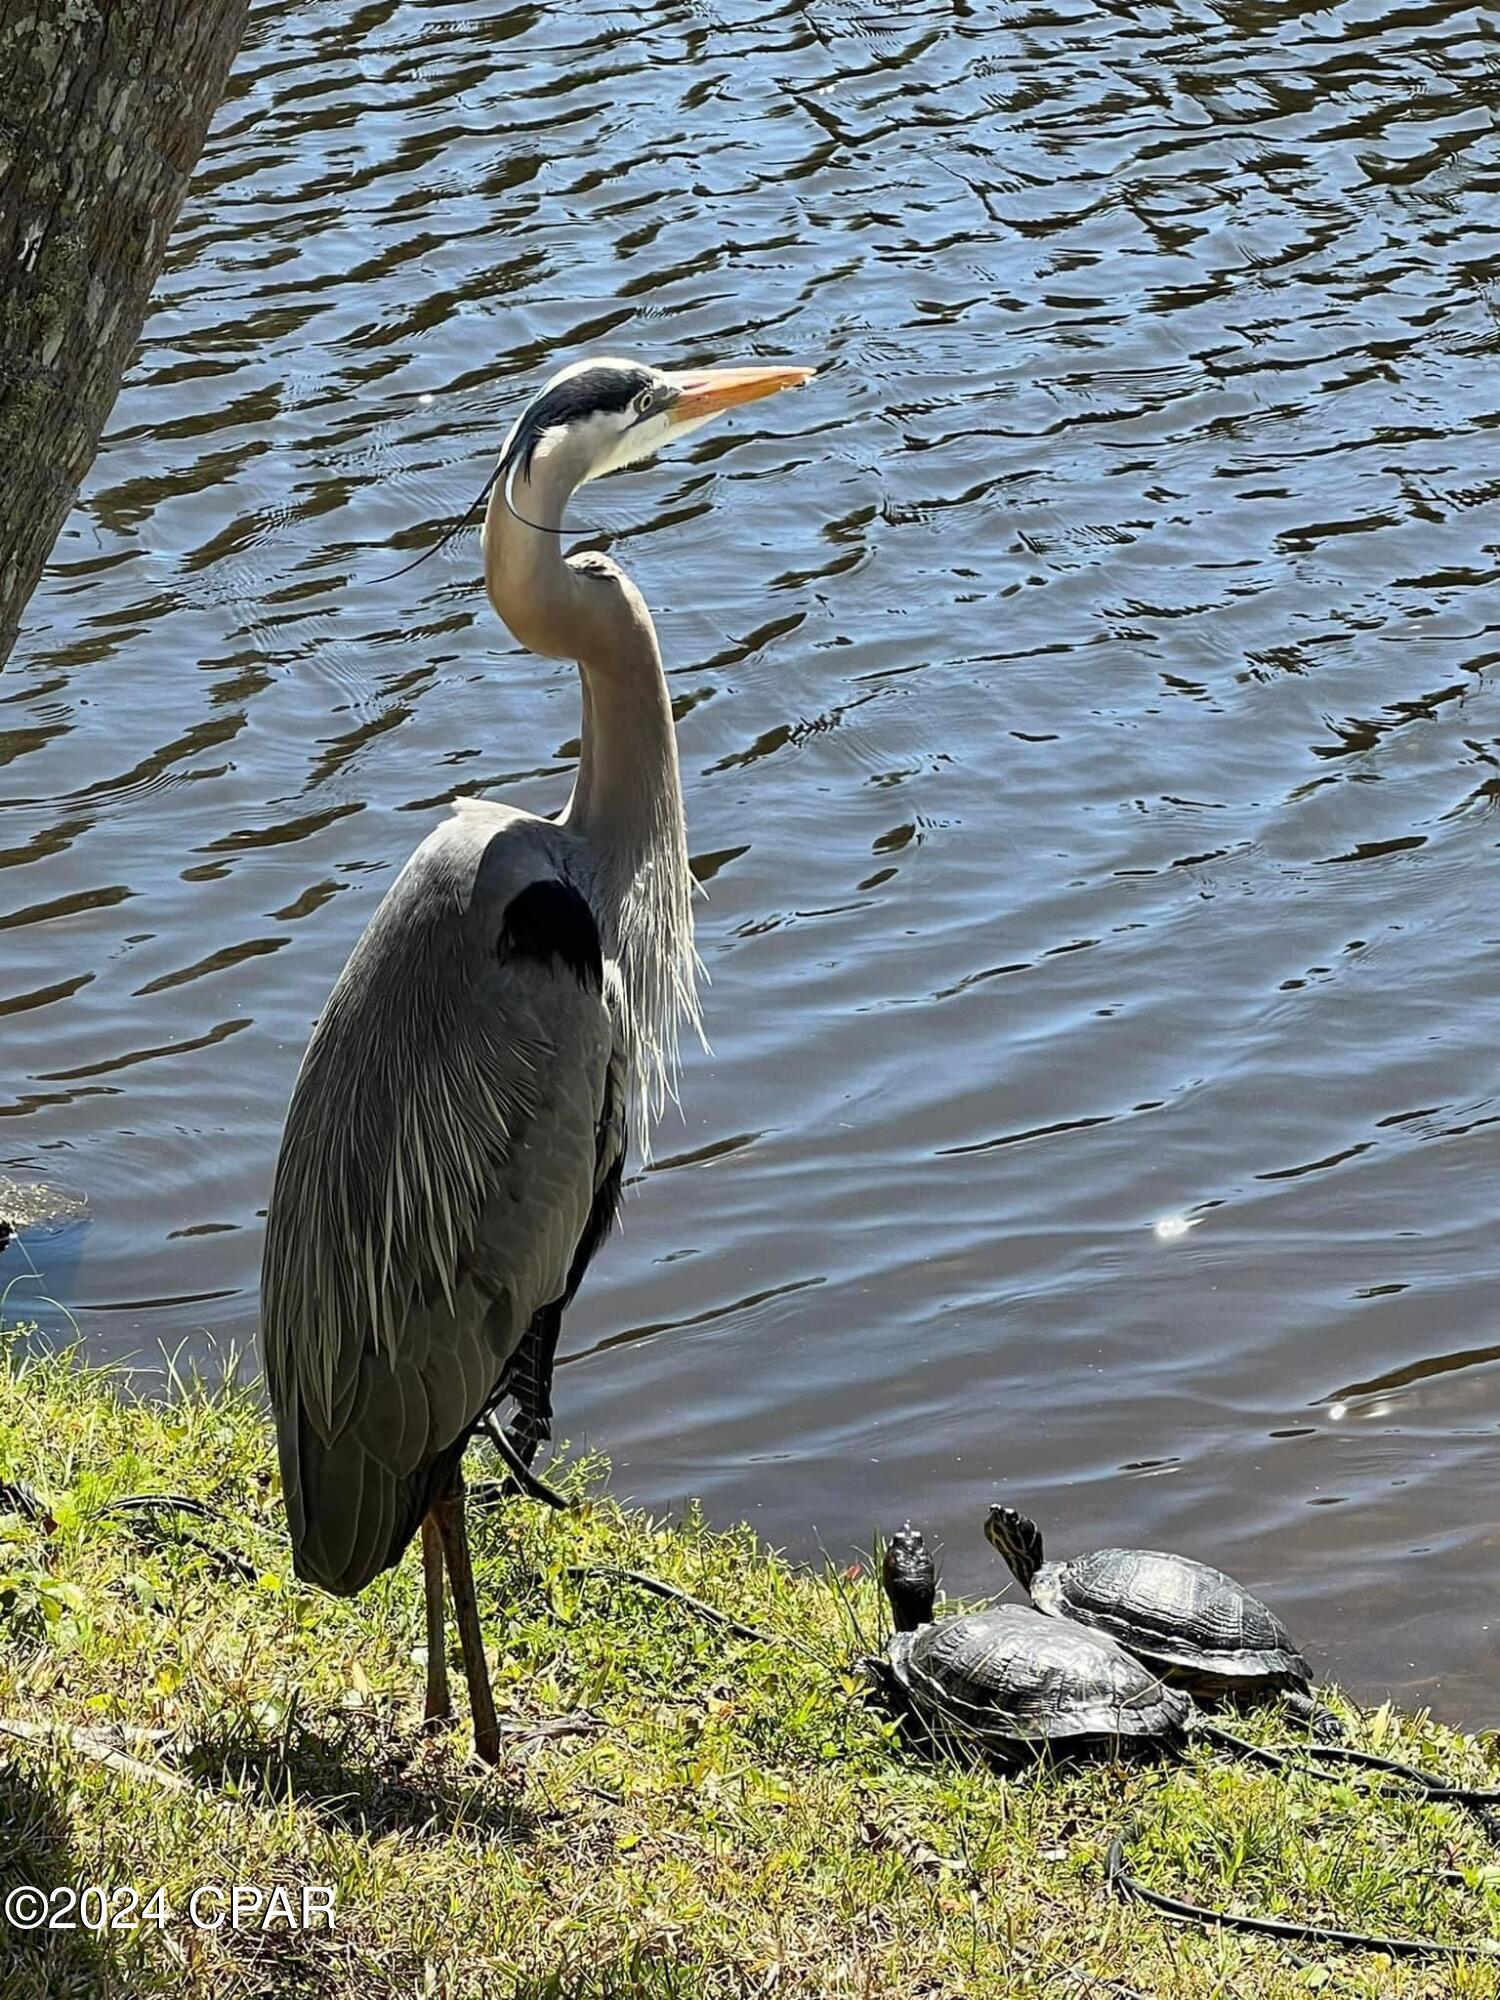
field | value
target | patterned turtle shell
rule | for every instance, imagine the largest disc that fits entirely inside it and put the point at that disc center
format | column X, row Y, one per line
column 1008, row 1679
column 1173, row 1612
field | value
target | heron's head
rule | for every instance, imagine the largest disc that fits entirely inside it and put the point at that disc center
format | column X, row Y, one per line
column 601, row 414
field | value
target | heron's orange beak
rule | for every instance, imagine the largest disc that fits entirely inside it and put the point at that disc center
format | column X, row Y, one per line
column 706, row 391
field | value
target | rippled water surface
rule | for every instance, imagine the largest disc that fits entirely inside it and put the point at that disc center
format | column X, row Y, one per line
column 1089, row 697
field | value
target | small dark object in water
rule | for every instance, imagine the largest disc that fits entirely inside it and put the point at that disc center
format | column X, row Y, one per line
column 1012, row 1682
column 6, row 1232
column 1194, row 1625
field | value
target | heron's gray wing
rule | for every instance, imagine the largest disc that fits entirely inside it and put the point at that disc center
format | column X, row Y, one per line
column 437, row 1172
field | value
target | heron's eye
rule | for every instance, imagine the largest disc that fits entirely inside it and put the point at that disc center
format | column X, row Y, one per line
column 645, row 402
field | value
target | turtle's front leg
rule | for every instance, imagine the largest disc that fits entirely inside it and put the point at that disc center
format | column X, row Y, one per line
column 1322, row 1721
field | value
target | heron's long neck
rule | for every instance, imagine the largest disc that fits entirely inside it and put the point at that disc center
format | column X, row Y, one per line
column 626, row 806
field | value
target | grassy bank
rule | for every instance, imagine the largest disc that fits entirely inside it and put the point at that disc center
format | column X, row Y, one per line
column 681, row 1811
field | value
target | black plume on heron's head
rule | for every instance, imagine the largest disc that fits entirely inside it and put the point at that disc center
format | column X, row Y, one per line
column 602, row 413
column 609, row 397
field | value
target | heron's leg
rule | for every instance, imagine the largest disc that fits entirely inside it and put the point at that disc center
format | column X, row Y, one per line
column 450, row 1519
column 439, row 1703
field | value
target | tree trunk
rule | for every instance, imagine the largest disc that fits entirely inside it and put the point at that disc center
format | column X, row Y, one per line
column 104, row 105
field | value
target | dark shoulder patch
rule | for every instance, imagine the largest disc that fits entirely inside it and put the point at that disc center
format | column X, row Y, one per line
column 550, row 921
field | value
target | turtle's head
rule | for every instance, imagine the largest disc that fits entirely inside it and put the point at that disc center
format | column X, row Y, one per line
column 910, row 1578
column 1018, row 1539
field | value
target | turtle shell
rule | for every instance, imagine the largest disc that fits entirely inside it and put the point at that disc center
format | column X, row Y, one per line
column 1007, row 1677
column 1173, row 1612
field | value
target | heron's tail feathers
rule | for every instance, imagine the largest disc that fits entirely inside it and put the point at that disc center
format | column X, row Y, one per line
column 351, row 1516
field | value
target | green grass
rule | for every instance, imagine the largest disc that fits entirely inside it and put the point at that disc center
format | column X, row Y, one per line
column 679, row 1811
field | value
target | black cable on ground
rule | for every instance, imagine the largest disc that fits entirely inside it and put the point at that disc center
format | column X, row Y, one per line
column 160, row 1503
column 17, row 1497
column 1477, row 1796
column 1131, row 1888
column 659, row 1587
column 141, row 1511
column 1291, row 1757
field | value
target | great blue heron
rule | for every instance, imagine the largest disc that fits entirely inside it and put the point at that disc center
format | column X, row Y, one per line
column 453, row 1148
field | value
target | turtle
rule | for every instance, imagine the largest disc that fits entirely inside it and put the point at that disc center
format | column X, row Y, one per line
column 1012, row 1682
column 1192, row 1624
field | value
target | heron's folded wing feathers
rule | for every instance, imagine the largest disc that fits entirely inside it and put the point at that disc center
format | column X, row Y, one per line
column 436, row 1174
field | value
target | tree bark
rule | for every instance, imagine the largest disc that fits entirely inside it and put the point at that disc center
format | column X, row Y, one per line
column 104, row 105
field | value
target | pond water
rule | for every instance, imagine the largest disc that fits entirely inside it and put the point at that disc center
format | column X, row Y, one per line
column 1089, row 697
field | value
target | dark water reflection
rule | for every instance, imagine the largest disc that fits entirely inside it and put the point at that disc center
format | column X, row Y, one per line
column 1088, row 699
